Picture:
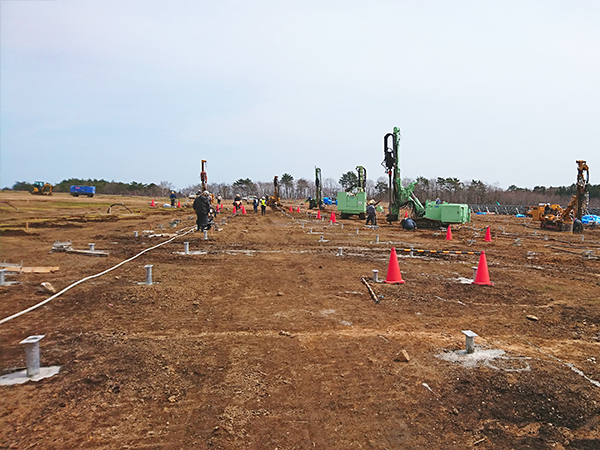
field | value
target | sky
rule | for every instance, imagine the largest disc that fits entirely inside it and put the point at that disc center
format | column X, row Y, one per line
column 503, row 92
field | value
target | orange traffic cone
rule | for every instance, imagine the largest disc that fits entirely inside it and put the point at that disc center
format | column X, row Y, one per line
column 179, row 203
column 234, row 210
column 243, row 210
column 319, row 214
column 152, row 205
column 291, row 210
column 483, row 276
column 393, row 274
column 298, row 209
column 332, row 218
column 449, row 234
column 488, row 235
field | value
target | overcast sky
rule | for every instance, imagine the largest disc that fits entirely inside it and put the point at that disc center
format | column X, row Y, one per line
column 505, row 92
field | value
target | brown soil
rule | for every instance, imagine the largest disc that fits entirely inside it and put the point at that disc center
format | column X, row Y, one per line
column 269, row 340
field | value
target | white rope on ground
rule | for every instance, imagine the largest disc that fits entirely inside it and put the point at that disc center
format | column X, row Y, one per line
column 14, row 316
column 569, row 365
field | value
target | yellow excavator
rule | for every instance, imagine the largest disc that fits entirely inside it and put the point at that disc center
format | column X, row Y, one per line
column 42, row 188
column 274, row 200
column 554, row 217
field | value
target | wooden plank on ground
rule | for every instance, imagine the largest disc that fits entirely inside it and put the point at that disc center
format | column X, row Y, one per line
column 32, row 269
column 88, row 252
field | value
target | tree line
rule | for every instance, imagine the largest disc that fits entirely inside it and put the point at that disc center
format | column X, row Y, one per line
column 104, row 187
column 451, row 190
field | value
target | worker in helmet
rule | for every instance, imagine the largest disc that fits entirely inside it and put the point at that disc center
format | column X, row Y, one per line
column 173, row 197
column 237, row 202
column 371, row 213
column 263, row 206
column 202, row 209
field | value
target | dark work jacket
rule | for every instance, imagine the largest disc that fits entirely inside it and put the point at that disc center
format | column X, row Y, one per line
column 408, row 224
column 202, row 206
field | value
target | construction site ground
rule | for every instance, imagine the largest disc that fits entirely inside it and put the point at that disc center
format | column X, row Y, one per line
column 264, row 337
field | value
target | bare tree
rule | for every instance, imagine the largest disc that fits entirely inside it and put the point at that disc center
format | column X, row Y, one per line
column 370, row 188
column 165, row 188
column 222, row 189
column 331, row 187
column 264, row 188
column 192, row 189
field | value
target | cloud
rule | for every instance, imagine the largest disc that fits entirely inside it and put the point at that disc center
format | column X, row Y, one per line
column 481, row 91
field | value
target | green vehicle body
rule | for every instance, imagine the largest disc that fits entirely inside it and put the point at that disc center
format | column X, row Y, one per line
column 354, row 203
column 447, row 213
column 349, row 204
column 431, row 214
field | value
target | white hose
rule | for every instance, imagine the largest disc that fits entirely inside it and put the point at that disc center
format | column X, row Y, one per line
column 90, row 277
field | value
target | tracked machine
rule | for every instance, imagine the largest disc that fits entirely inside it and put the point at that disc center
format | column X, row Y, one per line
column 274, row 201
column 42, row 188
column 430, row 215
column 554, row 217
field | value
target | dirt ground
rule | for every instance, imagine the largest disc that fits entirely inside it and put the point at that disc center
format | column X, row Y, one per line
column 264, row 337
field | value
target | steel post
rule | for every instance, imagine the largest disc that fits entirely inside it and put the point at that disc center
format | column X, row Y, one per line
column 470, row 340
column 148, row 274
column 32, row 354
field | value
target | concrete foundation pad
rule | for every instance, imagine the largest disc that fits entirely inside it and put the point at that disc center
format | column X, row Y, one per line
column 478, row 358
column 21, row 377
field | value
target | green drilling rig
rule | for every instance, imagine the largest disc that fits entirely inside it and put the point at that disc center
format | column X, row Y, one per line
column 317, row 201
column 430, row 215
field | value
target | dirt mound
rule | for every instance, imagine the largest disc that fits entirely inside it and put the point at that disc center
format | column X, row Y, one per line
column 264, row 336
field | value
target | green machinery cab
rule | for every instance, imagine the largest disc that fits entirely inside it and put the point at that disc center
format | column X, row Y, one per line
column 354, row 203
column 447, row 213
column 349, row 204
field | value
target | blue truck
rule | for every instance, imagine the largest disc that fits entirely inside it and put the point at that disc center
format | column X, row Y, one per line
column 76, row 191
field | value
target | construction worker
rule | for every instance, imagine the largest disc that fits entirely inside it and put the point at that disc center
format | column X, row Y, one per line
column 371, row 213
column 409, row 224
column 202, row 209
column 173, row 197
column 255, row 203
column 237, row 202
column 263, row 206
